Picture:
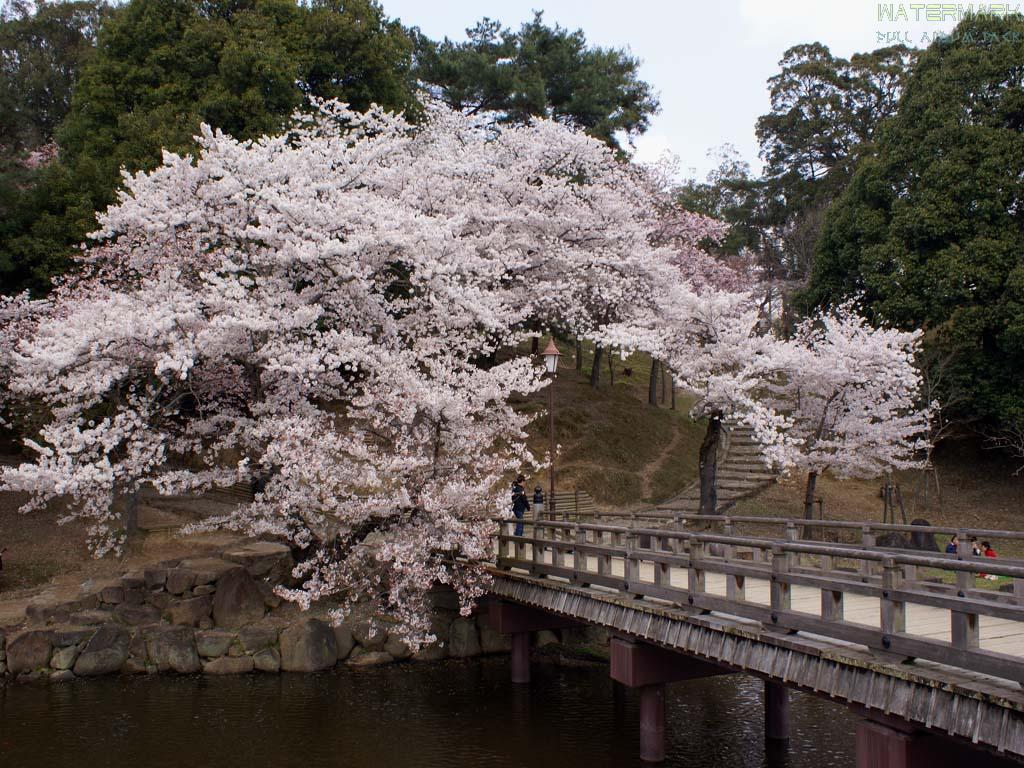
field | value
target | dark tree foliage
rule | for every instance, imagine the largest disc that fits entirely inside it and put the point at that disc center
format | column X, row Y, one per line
column 931, row 228
column 159, row 69
column 41, row 52
column 539, row 71
column 824, row 115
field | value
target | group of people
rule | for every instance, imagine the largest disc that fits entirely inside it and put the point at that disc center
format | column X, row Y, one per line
column 521, row 502
column 983, row 549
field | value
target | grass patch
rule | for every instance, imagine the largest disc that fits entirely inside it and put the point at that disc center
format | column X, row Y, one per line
column 613, row 444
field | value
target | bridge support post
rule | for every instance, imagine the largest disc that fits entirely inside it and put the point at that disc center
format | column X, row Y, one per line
column 520, row 657
column 776, row 712
column 519, row 621
column 647, row 668
column 652, row 723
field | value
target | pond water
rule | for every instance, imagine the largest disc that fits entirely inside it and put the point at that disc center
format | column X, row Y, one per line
column 415, row 715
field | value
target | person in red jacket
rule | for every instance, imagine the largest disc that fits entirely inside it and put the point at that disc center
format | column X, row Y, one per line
column 987, row 551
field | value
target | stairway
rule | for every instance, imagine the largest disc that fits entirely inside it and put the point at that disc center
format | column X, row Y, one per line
column 741, row 472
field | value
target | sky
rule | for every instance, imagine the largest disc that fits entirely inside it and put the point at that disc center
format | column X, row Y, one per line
column 708, row 61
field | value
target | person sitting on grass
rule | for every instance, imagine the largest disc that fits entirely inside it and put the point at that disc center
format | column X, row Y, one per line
column 953, row 546
column 987, row 551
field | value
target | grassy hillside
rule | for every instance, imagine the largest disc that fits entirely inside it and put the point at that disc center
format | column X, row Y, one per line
column 614, row 445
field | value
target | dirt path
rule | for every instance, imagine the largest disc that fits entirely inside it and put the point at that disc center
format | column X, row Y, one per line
column 648, row 472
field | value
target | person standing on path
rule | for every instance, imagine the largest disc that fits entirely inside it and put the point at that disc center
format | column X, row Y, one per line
column 538, row 502
column 519, row 502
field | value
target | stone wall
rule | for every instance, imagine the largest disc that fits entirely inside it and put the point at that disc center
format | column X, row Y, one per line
column 215, row 615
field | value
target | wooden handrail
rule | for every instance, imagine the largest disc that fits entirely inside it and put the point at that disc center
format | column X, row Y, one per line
column 573, row 545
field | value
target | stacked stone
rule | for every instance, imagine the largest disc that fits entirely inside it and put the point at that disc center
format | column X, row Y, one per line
column 214, row 615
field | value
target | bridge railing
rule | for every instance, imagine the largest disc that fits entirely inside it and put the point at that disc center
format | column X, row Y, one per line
column 838, row 531
column 650, row 563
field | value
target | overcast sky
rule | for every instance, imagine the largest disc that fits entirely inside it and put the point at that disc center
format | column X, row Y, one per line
column 709, row 61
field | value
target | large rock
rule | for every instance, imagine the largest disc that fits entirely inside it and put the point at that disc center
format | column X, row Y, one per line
column 397, row 648
column 213, row 643
column 364, row 658
column 546, row 637
column 91, row 617
column 155, row 578
column 228, row 665
column 263, row 559
column 255, row 639
column 64, row 658
column 370, row 635
column 28, row 651
column 435, row 652
column 41, row 614
column 136, row 615
column 308, row 647
column 492, row 641
column 238, row 600
column 179, row 580
column 207, row 570
column 462, row 640
column 172, row 649
column 65, row 636
column 105, row 652
column 188, row 613
column 924, row 542
column 346, row 641
column 112, row 595
column 267, row 660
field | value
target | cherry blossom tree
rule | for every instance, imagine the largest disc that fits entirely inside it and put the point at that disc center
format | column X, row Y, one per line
column 851, row 396
column 309, row 313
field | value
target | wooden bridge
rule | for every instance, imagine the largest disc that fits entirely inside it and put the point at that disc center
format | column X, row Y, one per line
column 931, row 660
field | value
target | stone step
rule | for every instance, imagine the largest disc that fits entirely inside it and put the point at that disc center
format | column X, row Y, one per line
column 742, row 473
column 153, row 519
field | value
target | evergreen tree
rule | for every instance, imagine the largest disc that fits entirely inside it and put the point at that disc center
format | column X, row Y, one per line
column 931, row 228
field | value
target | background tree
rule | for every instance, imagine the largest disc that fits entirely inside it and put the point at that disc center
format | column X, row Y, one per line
column 930, row 229
column 161, row 67
column 851, row 397
column 539, row 70
column 825, row 111
column 42, row 50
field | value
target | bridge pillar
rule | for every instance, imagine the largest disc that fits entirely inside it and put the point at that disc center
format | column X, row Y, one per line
column 520, row 657
column 776, row 711
column 652, row 723
column 519, row 621
column 889, row 742
column 648, row 668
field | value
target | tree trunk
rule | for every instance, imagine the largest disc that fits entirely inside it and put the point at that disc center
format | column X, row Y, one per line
column 652, row 388
column 579, row 355
column 812, row 481
column 535, row 345
column 127, row 505
column 595, row 369
column 673, row 394
column 662, row 384
column 611, row 368
column 709, row 465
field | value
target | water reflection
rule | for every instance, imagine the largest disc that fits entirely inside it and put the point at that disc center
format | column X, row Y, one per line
column 448, row 714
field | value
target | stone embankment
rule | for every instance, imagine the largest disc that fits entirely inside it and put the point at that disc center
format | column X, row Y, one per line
column 215, row 614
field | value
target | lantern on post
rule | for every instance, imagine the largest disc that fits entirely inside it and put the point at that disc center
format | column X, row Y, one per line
column 551, row 356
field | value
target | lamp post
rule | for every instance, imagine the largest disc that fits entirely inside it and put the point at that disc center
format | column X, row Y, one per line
column 551, row 355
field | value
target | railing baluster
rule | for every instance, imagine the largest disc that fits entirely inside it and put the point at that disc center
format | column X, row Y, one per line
column 579, row 558
column 867, row 540
column 537, row 553
column 964, row 627
column 631, row 567
column 894, row 612
column 696, row 580
column 781, row 591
